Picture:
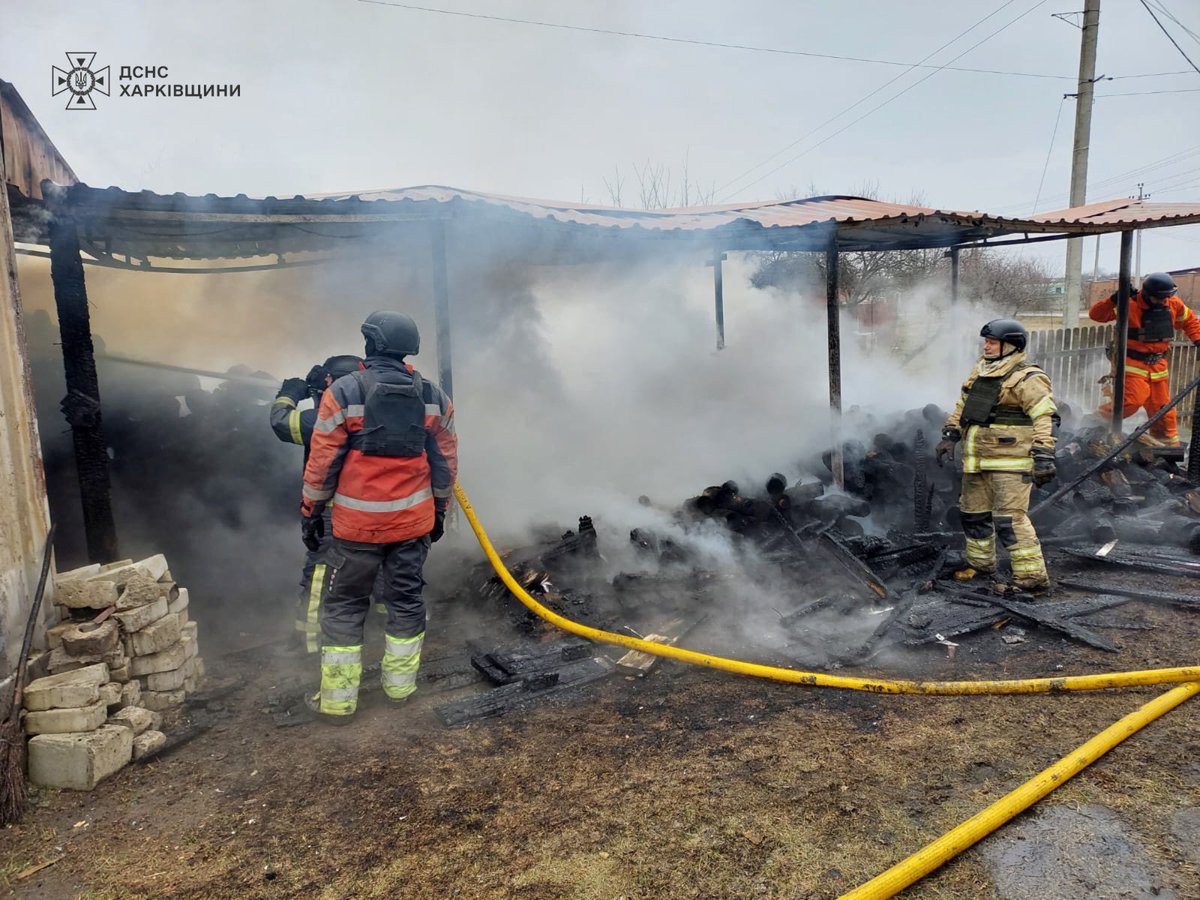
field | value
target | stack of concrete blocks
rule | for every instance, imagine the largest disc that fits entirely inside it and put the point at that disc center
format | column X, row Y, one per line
column 141, row 659
column 85, row 727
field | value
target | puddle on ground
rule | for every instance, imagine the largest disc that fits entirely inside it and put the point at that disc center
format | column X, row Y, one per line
column 1071, row 853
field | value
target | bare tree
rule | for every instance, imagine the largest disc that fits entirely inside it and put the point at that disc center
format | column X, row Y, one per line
column 658, row 188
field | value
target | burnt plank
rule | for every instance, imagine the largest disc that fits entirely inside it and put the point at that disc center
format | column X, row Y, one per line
column 1134, row 593
column 524, row 694
column 1042, row 617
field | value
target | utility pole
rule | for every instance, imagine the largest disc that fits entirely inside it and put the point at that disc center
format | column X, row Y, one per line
column 1137, row 266
column 1079, row 157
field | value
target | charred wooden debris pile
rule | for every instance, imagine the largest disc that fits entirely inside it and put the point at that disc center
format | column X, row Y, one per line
column 849, row 572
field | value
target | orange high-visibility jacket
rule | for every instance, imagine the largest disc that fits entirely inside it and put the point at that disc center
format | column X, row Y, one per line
column 379, row 499
column 1185, row 320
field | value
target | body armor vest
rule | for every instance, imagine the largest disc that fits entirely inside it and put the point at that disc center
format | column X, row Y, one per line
column 981, row 407
column 393, row 417
column 1158, row 324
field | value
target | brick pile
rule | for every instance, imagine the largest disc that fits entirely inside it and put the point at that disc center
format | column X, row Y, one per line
column 123, row 653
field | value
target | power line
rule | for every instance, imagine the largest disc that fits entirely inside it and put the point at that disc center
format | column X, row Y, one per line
column 895, row 96
column 1049, row 150
column 1162, row 8
column 1169, row 37
column 859, row 101
column 1148, row 93
column 702, row 43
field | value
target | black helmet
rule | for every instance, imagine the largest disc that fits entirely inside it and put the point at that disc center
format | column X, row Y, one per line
column 392, row 333
column 1010, row 331
column 1158, row 285
column 337, row 366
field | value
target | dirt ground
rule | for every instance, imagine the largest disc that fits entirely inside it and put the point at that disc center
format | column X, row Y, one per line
column 686, row 783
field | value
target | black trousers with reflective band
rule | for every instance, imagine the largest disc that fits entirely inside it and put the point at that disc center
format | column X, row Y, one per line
column 393, row 570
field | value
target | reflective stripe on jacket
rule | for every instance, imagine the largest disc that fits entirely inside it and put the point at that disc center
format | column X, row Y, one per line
column 1006, row 448
column 1184, row 318
column 379, row 499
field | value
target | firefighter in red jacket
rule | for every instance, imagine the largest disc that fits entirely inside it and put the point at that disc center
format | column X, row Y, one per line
column 385, row 454
column 1155, row 312
column 294, row 425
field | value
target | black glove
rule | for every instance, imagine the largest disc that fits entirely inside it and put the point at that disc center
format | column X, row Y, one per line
column 1044, row 468
column 315, row 379
column 312, row 529
column 945, row 448
column 294, row 389
column 439, row 527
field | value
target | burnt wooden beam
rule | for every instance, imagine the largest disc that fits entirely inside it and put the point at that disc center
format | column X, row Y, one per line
column 1038, row 616
column 81, row 406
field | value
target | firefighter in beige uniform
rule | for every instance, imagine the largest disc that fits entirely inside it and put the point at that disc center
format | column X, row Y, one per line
column 1005, row 420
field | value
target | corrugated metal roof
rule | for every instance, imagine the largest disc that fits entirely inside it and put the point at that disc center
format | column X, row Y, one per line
column 145, row 224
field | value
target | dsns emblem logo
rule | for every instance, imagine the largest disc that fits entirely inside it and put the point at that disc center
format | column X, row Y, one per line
column 80, row 80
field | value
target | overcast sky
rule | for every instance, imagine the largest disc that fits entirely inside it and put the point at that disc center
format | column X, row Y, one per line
column 343, row 95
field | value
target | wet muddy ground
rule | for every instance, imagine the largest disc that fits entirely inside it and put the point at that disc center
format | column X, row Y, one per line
column 685, row 783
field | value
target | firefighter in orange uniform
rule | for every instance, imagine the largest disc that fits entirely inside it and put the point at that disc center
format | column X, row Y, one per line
column 385, row 454
column 1155, row 312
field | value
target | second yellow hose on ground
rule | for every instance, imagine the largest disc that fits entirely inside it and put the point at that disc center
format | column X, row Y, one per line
column 983, row 823
column 820, row 679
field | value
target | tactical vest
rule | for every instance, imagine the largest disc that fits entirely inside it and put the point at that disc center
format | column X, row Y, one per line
column 1158, row 324
column 980, row 406
column 393, row 417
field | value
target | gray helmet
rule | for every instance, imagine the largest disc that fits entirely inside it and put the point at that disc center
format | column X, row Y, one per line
column 1159, row 285
column 392, row 333
column 1010, row 331
column 337, row 366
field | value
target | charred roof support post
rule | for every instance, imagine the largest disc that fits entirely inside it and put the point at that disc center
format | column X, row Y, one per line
column 1193, row 466
column 833, row 327
column 441, row 308
column 1121, row 343
column 719, row 296
column 954, row 274
column 81, row 406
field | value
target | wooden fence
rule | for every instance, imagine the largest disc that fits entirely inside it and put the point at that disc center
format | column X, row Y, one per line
column 1075, row 360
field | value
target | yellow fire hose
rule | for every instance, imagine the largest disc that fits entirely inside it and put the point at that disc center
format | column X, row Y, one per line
column 983, row 823
column 978, row 826
column 820, row 679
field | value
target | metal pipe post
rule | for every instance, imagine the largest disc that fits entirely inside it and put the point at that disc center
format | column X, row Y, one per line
column 82, row 403
column 1193, row 466
column 833, row 327
column 953, row 274
column 441, row 309
column 719, row 297
column 1121, row 344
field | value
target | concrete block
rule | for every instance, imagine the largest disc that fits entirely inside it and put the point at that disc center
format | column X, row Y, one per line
column 81, row 572
column 55, row 632
column 153, row 567
column 79, row 761
column 161, row 701
column 167, row 681
column 135, row 718
column 121, row 675
column 156, row 636
column 166, row 576
column 116, row 564
column 86, row 594
column 182, row 615
column 138, row 591
column 110, row 694
column 131, row 693
column 78, row 688
column 61, row 661
column 191, row 638
column 61, row 721
column 117, row 659
column 139, row 617
column 148, row 742
column 180, row 603
column 164, row 661
column 86, row 639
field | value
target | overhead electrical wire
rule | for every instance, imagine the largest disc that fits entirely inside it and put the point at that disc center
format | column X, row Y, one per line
column 860, row 100
column 1049, row 150
column 897, row 95
column 702, row 43
column 1162, row 8
column 1170, row 37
